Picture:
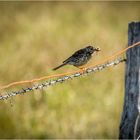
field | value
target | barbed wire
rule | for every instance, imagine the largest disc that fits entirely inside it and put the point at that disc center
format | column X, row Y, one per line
column 136, row 127
column 63, row 74
column 137, row 121
column 61, row 79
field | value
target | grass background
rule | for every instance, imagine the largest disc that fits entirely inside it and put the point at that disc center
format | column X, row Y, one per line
column 37, row 36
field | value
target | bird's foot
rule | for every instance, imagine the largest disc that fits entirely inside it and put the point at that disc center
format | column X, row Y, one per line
column 83, row 69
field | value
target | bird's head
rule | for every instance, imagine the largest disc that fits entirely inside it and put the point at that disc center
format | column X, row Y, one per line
column 92, row 49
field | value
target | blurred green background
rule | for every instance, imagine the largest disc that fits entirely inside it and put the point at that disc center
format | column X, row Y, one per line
column 37, row 36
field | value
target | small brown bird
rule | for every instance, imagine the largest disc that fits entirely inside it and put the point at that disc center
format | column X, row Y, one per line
column 80, row 57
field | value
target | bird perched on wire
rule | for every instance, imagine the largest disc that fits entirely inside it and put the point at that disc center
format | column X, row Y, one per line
column 80, row 57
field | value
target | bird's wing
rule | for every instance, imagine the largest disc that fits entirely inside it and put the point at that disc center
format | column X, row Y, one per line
column 77, row 54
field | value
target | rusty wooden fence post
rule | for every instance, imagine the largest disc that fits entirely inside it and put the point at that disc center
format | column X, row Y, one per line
column 132, row 86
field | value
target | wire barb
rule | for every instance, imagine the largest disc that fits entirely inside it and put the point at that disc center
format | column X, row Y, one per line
column 63, row 78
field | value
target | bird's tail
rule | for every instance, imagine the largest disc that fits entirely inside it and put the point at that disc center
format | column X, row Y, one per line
column 59, row 66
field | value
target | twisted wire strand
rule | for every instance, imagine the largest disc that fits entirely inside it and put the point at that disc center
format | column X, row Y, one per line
column 61, row 79
column 63, row 74
column 137, row 122
column 136, row 127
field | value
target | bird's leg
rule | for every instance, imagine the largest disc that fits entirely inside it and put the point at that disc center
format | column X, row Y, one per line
column 82, row 68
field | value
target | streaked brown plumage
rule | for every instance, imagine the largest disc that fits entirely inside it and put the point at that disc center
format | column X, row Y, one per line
column 80, row 57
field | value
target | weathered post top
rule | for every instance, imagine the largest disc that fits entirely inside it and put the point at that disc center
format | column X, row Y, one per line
column 132, row 85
